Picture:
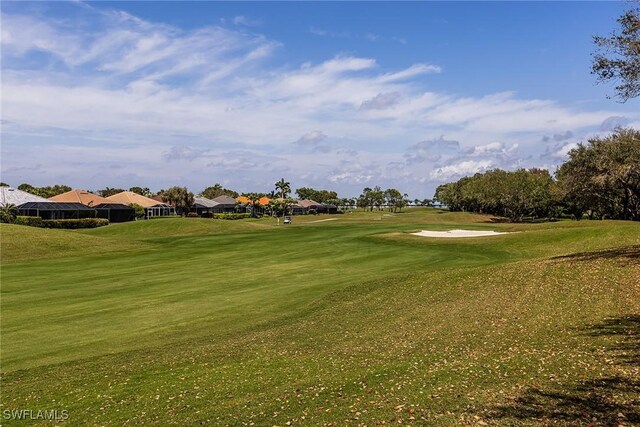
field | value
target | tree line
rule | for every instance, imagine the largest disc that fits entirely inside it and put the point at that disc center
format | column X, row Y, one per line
column 377, row 198
column 601, row 179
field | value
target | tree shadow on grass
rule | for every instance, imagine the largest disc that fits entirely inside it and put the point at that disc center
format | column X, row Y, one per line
column 626, row 255
column 499, row 220
column 601, row 401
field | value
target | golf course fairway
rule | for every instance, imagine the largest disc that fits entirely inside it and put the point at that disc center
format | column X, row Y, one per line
column 353, row 321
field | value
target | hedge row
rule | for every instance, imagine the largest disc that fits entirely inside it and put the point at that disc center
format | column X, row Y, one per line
column 31, row 221
column 35, row 221
column 231, row 216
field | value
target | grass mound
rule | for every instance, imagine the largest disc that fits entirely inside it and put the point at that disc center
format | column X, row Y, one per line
column 172, row 227
column 21, row 243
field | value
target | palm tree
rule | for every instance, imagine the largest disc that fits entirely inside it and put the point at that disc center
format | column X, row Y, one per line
column 285, row 189
column 8, row 213
column 274, row 206
column 255, row 202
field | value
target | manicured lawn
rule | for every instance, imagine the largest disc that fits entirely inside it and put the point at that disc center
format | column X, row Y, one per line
column 351, row 321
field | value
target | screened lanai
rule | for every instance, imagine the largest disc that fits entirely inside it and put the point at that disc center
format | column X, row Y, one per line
column 115, row 212
column 54, row 210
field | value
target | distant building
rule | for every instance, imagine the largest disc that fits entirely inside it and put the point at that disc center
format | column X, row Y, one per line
column 13, row 196
column 226, row 204
column 56, row 210
column 152, row 208
column 203, row 206
column 79, row 196
column 115, row 212
column 314, row 207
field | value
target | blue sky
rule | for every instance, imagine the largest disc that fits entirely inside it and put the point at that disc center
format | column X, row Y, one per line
column 337, row 95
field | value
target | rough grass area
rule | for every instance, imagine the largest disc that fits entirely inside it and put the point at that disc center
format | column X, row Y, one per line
column 346, row 322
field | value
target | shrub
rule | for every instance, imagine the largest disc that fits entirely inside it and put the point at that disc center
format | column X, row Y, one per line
column 75, row 223
column 232, row 216
column 8, row 213
column 31, row 221
column 139, row 210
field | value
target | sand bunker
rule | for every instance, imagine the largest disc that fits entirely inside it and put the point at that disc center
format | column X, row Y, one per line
column 457, row 233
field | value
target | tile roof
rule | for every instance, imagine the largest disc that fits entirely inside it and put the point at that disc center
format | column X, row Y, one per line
column 129, row 197
column 79, row 196
column 264, row 201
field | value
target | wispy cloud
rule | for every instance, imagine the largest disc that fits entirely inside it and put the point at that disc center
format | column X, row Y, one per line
column 381, row 101
column 124, row 91
column 368, row 36
column 314, row 140
column 243, row 20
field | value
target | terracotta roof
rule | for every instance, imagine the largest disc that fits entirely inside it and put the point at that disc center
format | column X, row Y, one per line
column 13, row 196
column 79, row 196
column 128, row 197
column 264, row 201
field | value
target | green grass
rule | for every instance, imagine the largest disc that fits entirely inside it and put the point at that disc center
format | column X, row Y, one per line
column 350, row 321
column 21, row 243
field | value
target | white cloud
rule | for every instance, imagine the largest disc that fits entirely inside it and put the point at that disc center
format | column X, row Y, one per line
column 491, row 149
column 151, row 88
column 243, row 20
column 466, row 167
column 381, row 101
column 413, row 71
column 313, row 140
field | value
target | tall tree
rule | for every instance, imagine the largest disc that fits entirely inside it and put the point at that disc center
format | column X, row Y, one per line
column 254, row 198
column 143, row 191
column 108, row 191
column 283, row 187
column 320, row 196
column 217, row 190
column 180, row 198
column 45, row 192
column 617, row 57
column 511, row 194
column 393, row 199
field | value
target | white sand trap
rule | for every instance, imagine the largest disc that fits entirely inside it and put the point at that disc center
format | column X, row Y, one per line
column 457, row 233
column 323, row 220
